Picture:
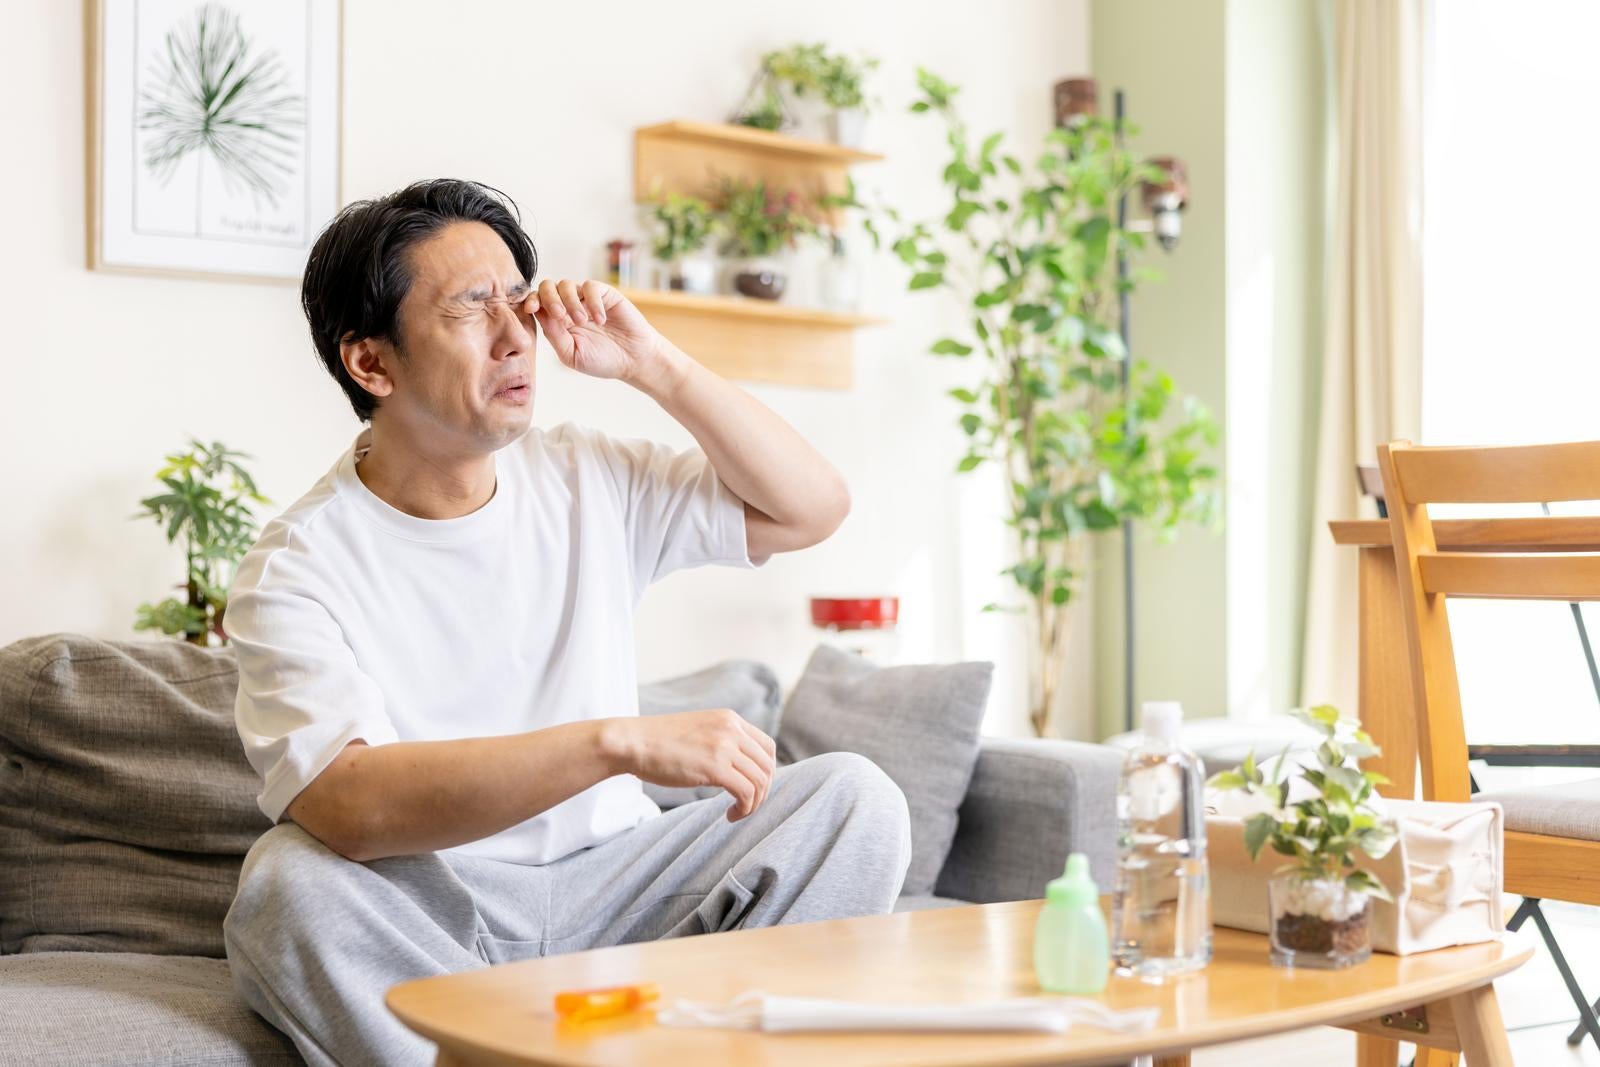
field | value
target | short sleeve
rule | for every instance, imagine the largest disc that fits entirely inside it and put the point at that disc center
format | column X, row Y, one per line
column 676, row 510
column 302, row 696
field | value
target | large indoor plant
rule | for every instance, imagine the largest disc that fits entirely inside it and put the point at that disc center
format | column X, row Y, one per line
column 1321, row 901
column 761, row 223
column 1030, row 253
column 207, row 504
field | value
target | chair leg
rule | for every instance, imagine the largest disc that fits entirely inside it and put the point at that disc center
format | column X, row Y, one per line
column 1587, row 1021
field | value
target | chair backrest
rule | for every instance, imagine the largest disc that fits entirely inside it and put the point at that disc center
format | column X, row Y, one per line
column 1546, row 558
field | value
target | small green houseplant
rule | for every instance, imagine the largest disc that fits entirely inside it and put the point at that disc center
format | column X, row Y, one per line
column 684, row 229
column 836, row 79
column 1320, row 901
column 760, row 223
column 1030, row 253
column 207, row 505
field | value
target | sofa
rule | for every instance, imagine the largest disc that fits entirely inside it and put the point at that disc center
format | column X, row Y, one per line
column 127, row 806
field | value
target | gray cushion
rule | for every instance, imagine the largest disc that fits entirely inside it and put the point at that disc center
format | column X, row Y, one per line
column 1031, row 802
column 95, row 1009
column 920, row 724
column 126, row 802
column 747, row 687
column 1571, row 809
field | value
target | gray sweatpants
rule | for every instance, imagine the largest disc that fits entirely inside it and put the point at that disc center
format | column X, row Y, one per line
column 314, row 940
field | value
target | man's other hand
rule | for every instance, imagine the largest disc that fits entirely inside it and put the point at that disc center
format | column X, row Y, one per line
column 693, row 748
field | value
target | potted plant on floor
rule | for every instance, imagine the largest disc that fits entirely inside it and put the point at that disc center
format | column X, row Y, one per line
column 685, row 226
column 207, row 504
column 1321, row 903
column 761, row 225
column 1030, row 253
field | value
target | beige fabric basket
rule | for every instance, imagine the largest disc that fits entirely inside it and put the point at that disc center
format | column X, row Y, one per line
column 1445, row 873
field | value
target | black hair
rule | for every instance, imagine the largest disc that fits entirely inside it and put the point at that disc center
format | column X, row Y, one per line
column 359, row 271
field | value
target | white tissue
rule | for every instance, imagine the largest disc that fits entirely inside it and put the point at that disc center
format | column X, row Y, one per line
column 759, row 1011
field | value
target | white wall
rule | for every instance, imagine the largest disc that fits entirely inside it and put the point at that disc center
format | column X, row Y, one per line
column 102, row 373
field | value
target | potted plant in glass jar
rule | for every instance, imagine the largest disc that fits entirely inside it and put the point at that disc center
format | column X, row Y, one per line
column 1321, row 902
column 761, row 224
column 685, row 226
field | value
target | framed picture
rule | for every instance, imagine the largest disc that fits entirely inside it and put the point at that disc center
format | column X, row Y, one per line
column 213, row 134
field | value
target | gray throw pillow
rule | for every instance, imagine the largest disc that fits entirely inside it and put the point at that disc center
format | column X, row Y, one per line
column 748, row 687
column 126, row 802
column 920, row 724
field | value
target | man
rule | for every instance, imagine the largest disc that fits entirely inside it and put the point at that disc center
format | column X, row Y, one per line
column 436, row 655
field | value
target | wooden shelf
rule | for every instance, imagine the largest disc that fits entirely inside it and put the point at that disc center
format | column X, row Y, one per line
column 757, row 340
column 748, row 138
column 739, row 336
column 691, row 157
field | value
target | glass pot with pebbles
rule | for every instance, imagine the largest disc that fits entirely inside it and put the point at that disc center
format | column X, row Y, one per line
column 1320, row 902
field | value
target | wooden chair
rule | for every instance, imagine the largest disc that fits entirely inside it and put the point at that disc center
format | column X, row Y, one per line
column 1552, row 841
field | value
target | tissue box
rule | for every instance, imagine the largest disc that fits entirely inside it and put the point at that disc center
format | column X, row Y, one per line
column 1445, row 872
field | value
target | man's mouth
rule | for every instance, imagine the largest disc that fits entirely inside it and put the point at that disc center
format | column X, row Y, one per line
column 517, row 390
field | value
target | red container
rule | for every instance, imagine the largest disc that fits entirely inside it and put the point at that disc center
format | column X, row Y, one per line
column 855, row 613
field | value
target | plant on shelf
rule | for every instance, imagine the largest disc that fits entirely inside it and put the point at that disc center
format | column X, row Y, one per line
column 760, row 223
column 836, row 79
column 685, row 227
column 1031, row 253
column 1320, row 902
column 207, row 504
column 763, row 107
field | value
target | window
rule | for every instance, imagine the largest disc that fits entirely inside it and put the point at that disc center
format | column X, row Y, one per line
column 1511, row 316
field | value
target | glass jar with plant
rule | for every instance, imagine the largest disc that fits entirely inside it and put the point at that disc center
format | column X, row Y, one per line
column 207, row 504
column 1321, row 902
column 834, row 80
column 684, row 228
column 1030, row 252
column 761, row 224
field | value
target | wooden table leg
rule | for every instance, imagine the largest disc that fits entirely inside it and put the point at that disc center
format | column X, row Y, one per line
column 1436, row 1057
column 1172, row 1059
column 1384, row 671
column 1376, row 1051
column 448, row 1059
column 1480, row 1028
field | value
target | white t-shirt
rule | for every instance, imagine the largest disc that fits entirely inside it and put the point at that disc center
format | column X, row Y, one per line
column 352, row 619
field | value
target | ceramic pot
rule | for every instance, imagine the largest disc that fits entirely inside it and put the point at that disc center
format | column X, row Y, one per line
column 760, row 278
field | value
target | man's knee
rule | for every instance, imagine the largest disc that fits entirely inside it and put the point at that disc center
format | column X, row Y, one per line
column 285, row 868
column 862, row 788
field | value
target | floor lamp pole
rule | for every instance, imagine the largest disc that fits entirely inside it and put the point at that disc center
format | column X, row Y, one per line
column 1122, row 370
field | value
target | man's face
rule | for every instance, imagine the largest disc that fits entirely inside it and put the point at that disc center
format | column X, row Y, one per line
column 465, row 379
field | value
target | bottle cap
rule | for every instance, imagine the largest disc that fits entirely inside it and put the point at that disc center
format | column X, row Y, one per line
column 1163, row 720
column 1074, row 888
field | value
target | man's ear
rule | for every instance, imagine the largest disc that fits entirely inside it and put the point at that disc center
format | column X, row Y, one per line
column 369, row 361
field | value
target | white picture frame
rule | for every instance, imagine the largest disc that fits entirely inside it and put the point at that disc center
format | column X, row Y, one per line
column 213, row 134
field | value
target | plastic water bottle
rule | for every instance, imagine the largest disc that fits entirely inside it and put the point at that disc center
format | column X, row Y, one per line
column 1161, row 913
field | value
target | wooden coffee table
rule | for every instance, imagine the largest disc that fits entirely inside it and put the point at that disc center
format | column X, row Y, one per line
column 502, row 1015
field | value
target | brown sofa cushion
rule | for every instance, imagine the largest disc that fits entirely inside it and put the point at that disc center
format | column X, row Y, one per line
column 126, row 802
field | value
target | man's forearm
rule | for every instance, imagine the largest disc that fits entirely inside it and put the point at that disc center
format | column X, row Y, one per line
column 411, row 797
column 756, row 453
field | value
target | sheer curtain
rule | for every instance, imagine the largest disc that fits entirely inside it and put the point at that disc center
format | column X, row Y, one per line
column 1511, row 309
column 1372, row 351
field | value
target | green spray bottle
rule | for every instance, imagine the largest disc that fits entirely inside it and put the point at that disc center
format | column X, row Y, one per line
column 1071, row 949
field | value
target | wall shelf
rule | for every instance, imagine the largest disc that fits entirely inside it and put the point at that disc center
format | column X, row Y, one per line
column 757, row 340
column 739, row 336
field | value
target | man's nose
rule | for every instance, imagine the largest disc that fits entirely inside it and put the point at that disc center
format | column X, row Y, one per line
column 513, row 335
